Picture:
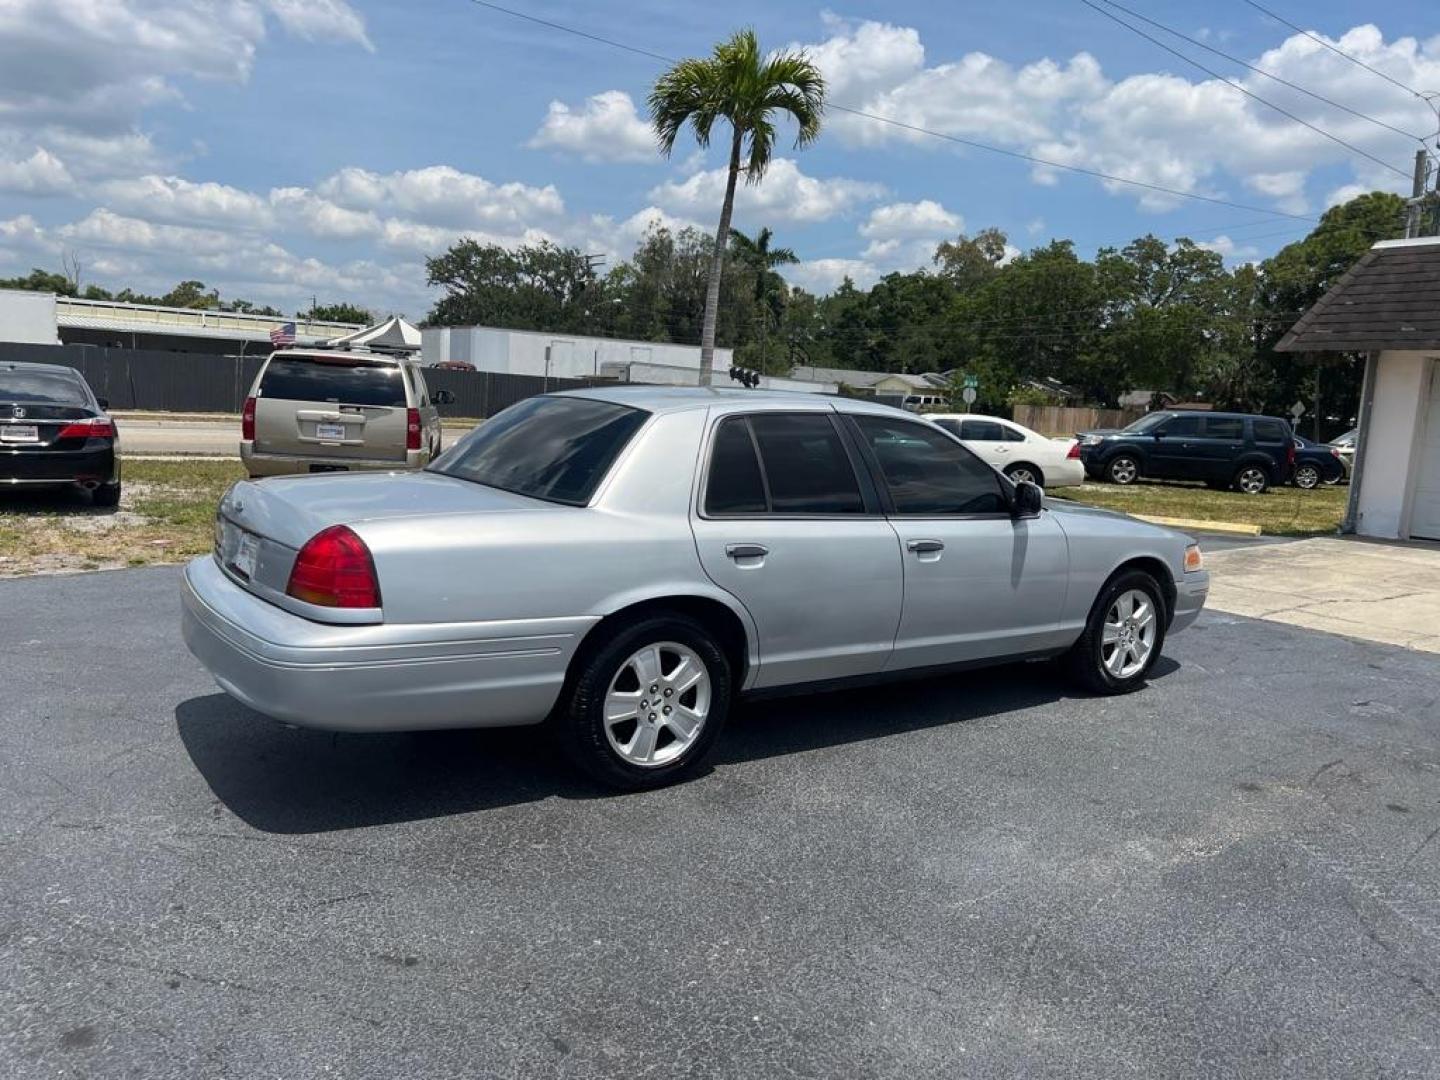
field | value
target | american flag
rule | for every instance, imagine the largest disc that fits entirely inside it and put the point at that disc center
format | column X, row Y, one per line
column 283, row 334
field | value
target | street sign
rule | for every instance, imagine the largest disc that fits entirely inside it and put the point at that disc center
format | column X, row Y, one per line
column 1297, row 410
column 969, row 395
column 971, row 382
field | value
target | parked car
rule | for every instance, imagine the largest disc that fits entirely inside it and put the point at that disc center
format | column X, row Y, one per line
column 1226, row 450
column 1346, row 445
column 1316, row 464
column 333, row 411
column 627, row 561
column 55, row 433
column 1018, row 452
column 455, row 365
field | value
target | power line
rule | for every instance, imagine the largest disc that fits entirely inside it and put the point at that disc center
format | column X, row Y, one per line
column 1248, row 93
column 917, row 128
column 1261, row 71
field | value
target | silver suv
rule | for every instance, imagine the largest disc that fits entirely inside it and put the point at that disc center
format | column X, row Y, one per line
column 332, row 411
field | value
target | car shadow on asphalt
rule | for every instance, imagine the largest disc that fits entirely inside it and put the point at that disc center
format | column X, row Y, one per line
column 281, row 779
column 65, row 502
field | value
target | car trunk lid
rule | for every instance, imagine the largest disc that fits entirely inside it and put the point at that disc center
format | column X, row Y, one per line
column 28, row 425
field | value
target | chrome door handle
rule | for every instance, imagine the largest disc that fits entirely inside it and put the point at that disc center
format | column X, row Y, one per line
column 746, row 551
column 922, row 547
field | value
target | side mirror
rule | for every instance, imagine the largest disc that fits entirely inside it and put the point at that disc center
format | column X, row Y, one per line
column 443, row 397
column 104, row 404
column 1027, row 500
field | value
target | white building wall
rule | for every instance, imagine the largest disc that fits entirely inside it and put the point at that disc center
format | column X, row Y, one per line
column 1401, row 382
column 571, row 356
column 28, row 317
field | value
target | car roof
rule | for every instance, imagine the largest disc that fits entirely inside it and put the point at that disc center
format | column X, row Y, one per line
column 21, row 365
column 1222, row 415
column 361, row 355
column 660, row 399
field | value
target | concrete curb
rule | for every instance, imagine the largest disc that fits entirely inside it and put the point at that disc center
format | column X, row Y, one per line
column 1235, row 527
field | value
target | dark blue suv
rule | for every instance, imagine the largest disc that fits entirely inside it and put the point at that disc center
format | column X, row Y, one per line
column 1226, row 450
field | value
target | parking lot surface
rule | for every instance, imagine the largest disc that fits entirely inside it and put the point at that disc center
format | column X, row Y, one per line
column 1235, row 872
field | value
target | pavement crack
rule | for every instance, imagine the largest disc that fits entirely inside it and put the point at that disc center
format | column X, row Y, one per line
column 1423, row 844
column 1323, row 770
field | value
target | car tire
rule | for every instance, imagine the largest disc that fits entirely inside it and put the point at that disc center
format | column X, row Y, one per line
column 1092, row 660
column 613, row 749
column 1122, row 469
column 1251, row 480
column 1306, row 476
column 106, row 495
column 1023, row 470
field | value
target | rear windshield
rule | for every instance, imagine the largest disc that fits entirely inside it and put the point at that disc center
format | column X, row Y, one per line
column 298, row 378
column 42, row 387
column 553, row 448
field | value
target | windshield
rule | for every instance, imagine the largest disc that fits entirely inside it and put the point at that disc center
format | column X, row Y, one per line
column 296, row 378
column 1146, row 422
column 42, row 387
column 553, row 448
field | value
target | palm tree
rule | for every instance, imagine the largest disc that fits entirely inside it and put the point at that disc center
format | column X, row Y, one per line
column 738, row 84
column 769, row 293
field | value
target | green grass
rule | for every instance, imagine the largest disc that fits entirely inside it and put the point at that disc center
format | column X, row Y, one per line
column 1282, row 511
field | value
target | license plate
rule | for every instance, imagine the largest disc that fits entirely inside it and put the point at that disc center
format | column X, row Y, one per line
column 19, row 433
column 329, row 468
column 330, row 431
column 246, row 552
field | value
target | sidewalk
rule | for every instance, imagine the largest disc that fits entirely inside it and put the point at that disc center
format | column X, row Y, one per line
column 1389, row 593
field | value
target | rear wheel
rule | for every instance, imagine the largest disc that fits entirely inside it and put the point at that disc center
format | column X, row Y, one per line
column 1251, row 480
column 1306, row 476
column 1123, row 469
column 106, row 495
column 1024, row 472
column 1123, row 635
column 645, row 708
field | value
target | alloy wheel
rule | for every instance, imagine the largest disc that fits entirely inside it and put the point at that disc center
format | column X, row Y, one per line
column 657, row 703
column 1124, row 470
column 1128, row 637
column 1021, row 475
column 1307, row 476
column 1252, row 480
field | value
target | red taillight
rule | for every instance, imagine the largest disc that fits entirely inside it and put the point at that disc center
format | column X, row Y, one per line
column 334, row 569
column 100, row 427
column 412, row 429
column 247, row 420
column 1074, row 452
column 1290, row 453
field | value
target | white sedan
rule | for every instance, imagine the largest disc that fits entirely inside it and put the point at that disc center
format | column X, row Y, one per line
column 1018, row 452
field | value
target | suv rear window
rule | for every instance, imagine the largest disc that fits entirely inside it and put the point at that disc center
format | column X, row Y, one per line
column 552, row 448
column 299, row 378
column 59, row 388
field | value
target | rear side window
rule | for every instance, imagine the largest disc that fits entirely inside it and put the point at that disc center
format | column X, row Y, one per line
column 1271, row 431
column 928, row 473
column 982, row 430
column 1224, row 427
column 552, row 448
column 734, row 485
column 1011, row 435
column 43, row 388
column 296, row 378
column 805, row 464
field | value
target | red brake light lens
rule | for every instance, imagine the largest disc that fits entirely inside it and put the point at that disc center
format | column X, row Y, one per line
column 99, row 427
column 1074, row 451
column 334, row 569
column 412, row 429
column 1290, row 453
column 247, row 420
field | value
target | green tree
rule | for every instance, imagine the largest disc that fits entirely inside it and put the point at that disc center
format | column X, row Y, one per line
column 737, row 83
column 342, row 312
column 968, row 262
column 41, row 281
column 767, row 292
column 535, row 287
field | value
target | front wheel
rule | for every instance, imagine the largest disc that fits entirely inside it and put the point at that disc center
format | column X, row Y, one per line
column 1252, row 480
column 646, row 707
column 1306, row 476
column 1123, row 636
column 1123, row 470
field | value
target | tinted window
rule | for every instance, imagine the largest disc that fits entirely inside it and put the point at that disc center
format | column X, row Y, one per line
column 806, row 465
column 548, row 447
column 1225, row 427
column 928, row 473
column 734, row 485
column 51, row 388
column 952, row 426
column 1145, row 423
column 296, row 378
column 1271, row 431
column 1181, row 427
column 1011, row 435
column 982, row 430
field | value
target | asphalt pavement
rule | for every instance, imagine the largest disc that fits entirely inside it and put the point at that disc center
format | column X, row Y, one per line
column 1234, row 873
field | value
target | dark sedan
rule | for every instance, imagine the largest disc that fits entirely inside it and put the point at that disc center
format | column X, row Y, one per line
column 1316, row 464
column 54, row 432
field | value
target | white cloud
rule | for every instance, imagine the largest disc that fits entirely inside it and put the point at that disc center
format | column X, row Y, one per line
column 825, row 275
column 607, row 128
column 911, row 220
column 302, row 208
column 107, row 229
column 443, row 195
column 175, row 199
column 785, row 194
column 23, row 236
column 321, row 20
column 42, row 173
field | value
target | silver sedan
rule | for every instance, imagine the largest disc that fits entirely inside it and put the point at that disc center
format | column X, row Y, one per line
column 623, row 564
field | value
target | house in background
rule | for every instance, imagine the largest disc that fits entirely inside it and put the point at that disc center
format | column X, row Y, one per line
column 1388, row 307
column 892, row 387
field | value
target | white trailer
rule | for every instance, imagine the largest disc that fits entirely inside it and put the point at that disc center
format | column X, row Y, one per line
column 28, row 317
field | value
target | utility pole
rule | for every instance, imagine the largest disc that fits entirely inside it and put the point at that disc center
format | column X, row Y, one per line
column 1423, row 204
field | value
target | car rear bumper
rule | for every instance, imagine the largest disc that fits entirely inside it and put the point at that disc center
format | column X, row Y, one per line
column 35, row 466
column 1190, row 594
column 373, row 678
column 262, row 464
column 1068, row 473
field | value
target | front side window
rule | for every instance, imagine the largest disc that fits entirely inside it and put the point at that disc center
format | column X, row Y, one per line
column 344, row 381
column 927, row 473
column 806, row 467
column 1182, row 427
column 553, row 448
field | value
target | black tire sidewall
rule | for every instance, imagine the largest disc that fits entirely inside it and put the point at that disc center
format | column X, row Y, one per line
column 1087, row 657
column 578, row 721
column 1110, row 468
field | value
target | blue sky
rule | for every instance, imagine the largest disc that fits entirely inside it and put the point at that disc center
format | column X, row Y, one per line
column 280, row 149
